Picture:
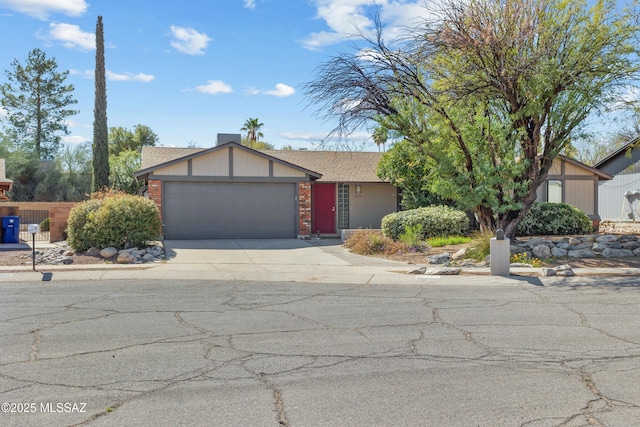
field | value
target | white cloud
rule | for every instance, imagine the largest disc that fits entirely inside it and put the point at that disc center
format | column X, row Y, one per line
column 214, row 87
column 281, row 91
column 189, row 41
column 250, row 4
column 346, row 17
column 129, row 77
column 3, row 113
column 71, row 36
column 41, row 9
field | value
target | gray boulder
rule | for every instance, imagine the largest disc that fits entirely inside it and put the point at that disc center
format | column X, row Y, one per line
column 442, row 258
column 542, row 251
column 600, row 246
column 93, row 251
column 634, row 244
column 581, row 253
column 616, row 253
column 565, row 273
column 108, row 252
column 585, row 245
column 148, row 258
column 443, row 271
column 546, row 272
column 607, row 238
column 559, row 252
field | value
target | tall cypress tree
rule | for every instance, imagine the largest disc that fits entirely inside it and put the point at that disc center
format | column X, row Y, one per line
column 100, row 130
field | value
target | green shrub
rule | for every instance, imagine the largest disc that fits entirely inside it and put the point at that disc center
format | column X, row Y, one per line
column 118, row 221
column 45, row 225
column 547, row 219
column 434, row 220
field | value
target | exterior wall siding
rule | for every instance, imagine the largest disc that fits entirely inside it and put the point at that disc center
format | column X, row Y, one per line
column 247, row 164
column 581, row 194
column 177, row 169
column 612, row 204
column 367, row 209
column 304, row 209
column 213, row 164
column 284, row 171
column 154, row 191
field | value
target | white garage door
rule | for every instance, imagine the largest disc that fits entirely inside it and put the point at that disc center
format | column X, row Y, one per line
column 203, row 210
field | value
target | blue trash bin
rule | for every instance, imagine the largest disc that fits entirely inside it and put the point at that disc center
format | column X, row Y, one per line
column 10, row 229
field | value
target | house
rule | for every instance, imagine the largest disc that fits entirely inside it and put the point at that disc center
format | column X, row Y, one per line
column 232, row 191
column 5, row 184
column 572, row 182
column 620, row 197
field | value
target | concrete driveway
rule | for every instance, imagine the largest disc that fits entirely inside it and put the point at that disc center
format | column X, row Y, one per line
column 250, row 252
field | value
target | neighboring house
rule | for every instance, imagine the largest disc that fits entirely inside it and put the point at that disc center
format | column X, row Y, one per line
column 231, row 191
column 5, row 184
column 620, row 197
column 572, row 182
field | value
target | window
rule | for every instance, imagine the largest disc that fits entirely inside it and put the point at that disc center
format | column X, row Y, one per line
column 554, row 191
column 343, row 206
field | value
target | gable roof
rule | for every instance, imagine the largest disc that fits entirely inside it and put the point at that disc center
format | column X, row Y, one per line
column 335, row 166
column 159, row 157
column 600, row 174
column 326, row 166
column 618, row 152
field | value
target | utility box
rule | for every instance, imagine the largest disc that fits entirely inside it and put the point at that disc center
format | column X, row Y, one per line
column 10, row 229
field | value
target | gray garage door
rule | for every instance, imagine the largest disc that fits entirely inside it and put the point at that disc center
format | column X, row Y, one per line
column 198, row 210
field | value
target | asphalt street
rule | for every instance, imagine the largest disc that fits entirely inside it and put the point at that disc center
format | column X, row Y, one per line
column 520, row 352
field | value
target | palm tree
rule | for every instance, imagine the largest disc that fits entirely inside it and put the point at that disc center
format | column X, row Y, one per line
column 380, row 136
column 252, row 127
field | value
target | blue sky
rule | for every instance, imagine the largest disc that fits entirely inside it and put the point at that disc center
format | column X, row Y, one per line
column 192, row 69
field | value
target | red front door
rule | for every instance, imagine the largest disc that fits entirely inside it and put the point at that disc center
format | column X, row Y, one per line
column 323, row 212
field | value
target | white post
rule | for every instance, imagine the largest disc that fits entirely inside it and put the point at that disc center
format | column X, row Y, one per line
column 500, row 249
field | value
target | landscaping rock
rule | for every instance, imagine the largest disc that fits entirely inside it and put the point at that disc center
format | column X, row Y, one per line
column 581, row 253
column 542, row 251
column 559, row 252
column 93, row 251
column 125, row 258
column 565, row 273
column 546, row 272
column 442, row 258
column 607, row 238
column 616, row 253
column 443, row 271
column 460, row 254
column 148, row 258
column 108, row 252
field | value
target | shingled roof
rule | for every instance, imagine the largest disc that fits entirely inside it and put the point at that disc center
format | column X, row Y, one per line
column 335, row 166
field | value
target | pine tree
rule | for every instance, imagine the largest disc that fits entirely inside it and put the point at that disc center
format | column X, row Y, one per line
column 100, row 130
column 36, row 100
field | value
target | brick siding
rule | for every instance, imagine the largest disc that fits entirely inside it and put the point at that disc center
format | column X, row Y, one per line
column 304, row 209
column 154, row 189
